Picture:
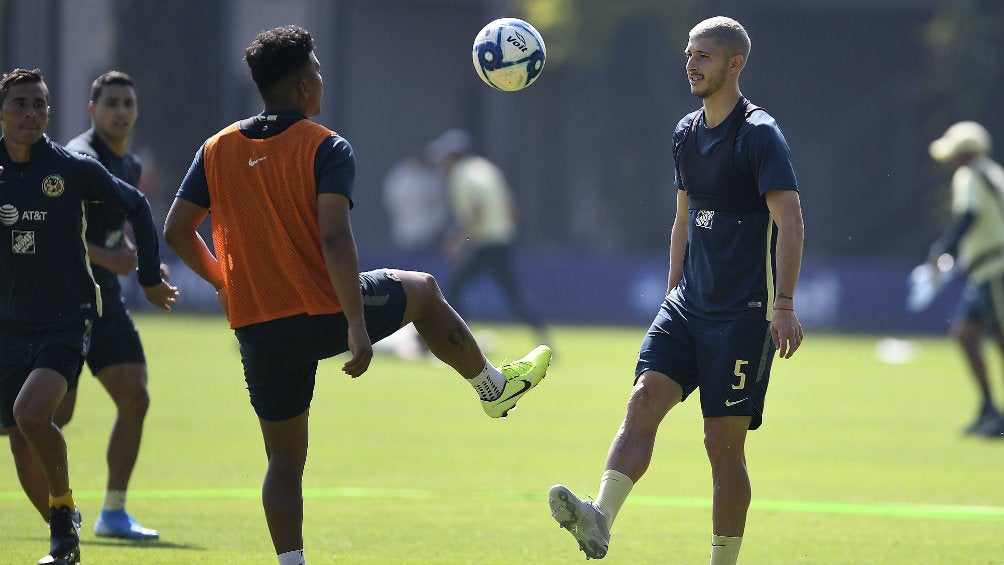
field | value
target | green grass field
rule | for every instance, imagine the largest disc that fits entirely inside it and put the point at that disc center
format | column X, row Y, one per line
column 858, row 462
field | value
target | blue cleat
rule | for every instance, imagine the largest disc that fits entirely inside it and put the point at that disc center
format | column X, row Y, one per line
column 118, row 524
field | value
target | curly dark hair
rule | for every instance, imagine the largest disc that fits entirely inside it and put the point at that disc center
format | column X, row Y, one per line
column 109, row 78
column 276, row 53
column 20, row 76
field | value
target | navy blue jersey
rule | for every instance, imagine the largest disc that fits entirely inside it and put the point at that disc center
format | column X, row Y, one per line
column 728, row 269
column 105, row 224
column 45, row 278
column 334, row 164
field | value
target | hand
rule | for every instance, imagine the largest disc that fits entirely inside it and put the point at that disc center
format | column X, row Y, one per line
column 165, row 272
column 221, row 297
column 121, row 261
column 362, row 351
column 786, row 332
column 161, row 295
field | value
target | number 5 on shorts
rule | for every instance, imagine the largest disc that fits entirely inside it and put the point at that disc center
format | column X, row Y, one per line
column 739, row 373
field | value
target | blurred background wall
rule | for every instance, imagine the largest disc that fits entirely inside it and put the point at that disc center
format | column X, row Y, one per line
column 860, row 87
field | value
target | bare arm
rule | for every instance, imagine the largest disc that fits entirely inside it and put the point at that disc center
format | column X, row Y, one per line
column 181, row 235
column 678, row 239
column 342, row 260
column 786, row 211
column 121, row 261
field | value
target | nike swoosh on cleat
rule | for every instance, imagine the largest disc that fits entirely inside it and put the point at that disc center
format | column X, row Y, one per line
column 526, row 387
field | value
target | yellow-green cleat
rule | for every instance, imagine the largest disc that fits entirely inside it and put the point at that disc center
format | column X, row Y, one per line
column 520, row 376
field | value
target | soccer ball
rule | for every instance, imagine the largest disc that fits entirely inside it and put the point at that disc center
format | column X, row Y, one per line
column 508, row 54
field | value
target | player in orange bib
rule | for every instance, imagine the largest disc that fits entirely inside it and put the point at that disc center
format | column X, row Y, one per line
column 278, row 189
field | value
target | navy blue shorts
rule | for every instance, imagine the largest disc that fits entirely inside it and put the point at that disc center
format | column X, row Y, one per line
column 983, row 304
column 114, row 338
column 729, row 361
column 60, row 349
column 280, row 356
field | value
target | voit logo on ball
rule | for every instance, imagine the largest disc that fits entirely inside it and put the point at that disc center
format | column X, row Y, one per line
column 8, row 215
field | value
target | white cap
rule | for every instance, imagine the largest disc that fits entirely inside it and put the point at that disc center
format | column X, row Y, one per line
column 959, row 139
column 450, row 142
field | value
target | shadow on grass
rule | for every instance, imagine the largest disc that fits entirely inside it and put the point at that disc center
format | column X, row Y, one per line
column 111, row 542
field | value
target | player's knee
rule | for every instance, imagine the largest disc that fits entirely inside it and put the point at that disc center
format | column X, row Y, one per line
column 29, row 420
column 135, row 404
column 647, row 406
column 421, row 286
column 723, row 446
column 135, row 398
column 966, row 332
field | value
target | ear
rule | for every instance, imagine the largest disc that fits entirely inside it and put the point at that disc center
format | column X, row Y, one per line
column 90, row 108
column 737, row 64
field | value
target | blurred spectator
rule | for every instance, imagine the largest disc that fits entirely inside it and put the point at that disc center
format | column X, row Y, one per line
column 484, row 237
column 976, row 239
column 415, row 199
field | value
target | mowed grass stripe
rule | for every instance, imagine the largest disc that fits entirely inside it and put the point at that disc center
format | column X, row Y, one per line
column 930, row 511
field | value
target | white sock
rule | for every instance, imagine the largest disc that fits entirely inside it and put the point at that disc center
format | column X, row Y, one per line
column 614, row 489
column 488, row 383
column 114, row 500
column 294, row 557
column 725, row 550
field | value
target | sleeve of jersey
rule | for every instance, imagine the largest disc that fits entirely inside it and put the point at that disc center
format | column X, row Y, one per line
column 769, row 158
column 102, row 186
column 335, row 167
column 194, row 187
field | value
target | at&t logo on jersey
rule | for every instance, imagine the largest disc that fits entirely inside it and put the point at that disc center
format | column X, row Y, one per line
column 9, row 215
column 704, row 218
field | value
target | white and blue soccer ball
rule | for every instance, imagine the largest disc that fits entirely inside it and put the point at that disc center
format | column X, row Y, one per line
column 508, row 54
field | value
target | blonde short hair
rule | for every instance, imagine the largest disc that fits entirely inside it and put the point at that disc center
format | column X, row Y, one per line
column 725, row 31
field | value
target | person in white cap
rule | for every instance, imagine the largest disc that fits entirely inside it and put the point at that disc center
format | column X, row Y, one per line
column 976, row 239
column 484, row 237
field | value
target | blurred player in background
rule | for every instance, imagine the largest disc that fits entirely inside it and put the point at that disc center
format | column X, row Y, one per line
column 49, row 299
column 415, row 200
column 484, row 237
column 116, row 356
column 286, row 269
column 735, row 255
column 976, row 239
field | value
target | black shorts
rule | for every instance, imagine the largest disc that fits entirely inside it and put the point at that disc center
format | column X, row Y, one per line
column 114, row 338
column 61, row 349
column 280, row 356
column 728, row 360
column 983, row 304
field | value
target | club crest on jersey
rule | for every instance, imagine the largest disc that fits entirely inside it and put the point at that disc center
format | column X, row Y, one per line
column 704, row 218
column 53, row 186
